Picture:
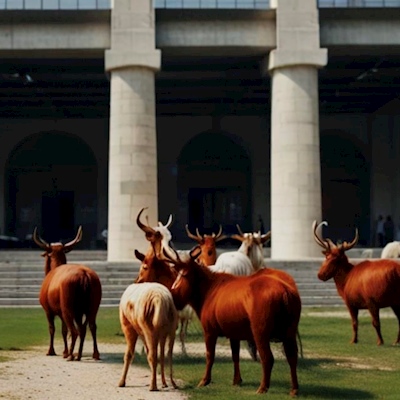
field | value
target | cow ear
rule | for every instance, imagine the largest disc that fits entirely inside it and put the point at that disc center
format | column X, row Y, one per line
column 139, row 255
column 195, row 252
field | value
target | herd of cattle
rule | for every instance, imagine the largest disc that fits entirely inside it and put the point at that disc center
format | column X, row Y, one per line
column 234, row 295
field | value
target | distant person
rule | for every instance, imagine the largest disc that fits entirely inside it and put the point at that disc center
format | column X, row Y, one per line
column 397, row 235
column 104, row 234
column 380, row 231
column 388, row 227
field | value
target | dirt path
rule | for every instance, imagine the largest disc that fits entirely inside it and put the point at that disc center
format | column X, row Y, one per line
column 31, row 375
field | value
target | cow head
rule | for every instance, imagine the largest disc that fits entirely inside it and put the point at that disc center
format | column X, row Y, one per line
column 158, row 236
column 335, row 257
column 207, row 244
column 54, row 253
column 252, row 245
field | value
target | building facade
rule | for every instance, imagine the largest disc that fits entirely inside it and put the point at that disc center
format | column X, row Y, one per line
column 217, row 112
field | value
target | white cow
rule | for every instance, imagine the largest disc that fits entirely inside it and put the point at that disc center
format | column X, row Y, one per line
column 147, row 310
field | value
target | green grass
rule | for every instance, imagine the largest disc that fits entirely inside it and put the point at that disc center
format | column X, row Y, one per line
column 332, row 368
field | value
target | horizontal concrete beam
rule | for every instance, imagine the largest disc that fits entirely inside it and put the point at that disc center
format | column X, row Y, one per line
column 359, row 27
column 187, row 32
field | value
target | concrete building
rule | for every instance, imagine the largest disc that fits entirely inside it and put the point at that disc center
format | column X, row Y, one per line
column 215, row 111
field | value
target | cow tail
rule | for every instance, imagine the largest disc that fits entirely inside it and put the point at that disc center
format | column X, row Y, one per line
column 82, row 297
column 292, row 305
column 156, row 310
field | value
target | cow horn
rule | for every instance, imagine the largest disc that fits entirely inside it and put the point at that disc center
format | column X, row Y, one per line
column 348, row 246
column 76, row 240
column 169, row 222
column 38, row 240
column 324, row 244
column 239, row 230
column 143, row 227
column 219, row 236
column 190, row 234
column 265, row 237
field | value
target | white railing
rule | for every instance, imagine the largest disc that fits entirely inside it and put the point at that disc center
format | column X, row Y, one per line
column 55, row 4
column 358, row 3
column 213, row 4
column 184, row 4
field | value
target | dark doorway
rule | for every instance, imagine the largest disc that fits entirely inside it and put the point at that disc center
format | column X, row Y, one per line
column 58, row 215
column 50, row 189
column 209, row 207
column 345, row 187
column 214, row 184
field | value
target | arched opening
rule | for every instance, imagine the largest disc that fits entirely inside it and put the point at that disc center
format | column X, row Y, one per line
column 214, row 184
column 52, row 184
column 345, row 187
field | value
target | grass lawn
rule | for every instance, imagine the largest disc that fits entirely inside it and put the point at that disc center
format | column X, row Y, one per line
column 332, row 368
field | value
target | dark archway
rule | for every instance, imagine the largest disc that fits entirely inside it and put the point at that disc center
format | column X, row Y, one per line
column 345, row 187
column 52, row 183
column 214, row 175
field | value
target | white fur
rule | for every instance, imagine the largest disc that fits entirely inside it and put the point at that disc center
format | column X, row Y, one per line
column 246, row 260
column 391, row 250
column 233, row 262
column 367, row 253
column 147, row 310
column 254, row 249
column 187, row 313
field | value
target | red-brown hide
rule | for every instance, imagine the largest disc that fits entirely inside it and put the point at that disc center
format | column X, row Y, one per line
column 154, row 269
column 370, row 284
column 70, row 291
column 260, row 307
column 208, row 245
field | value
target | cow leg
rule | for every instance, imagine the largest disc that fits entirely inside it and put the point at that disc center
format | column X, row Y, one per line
column 235, row 349
column 354, row 322
column 211, row 342
column 171, row 340
column 252, row 349
column 131, row 337
column 52, row 329
column 74, row 336
column 396, row 310
column 82, row 335
column 152, row 359
column 291, row 352
column 374, row 311
column 69, row 319
column 267, row 361
column 182, row 334
column 64, row 330
column 93, row 331
column 162, row 361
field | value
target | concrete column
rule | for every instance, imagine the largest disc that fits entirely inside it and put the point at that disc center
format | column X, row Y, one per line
column 295, row 150
column 132, row 61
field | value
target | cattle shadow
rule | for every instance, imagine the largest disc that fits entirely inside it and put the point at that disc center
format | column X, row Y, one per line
column 315, row 375
column 140, row 358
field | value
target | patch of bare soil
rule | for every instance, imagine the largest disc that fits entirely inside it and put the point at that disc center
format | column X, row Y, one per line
column 31, row 375
column 384, row 313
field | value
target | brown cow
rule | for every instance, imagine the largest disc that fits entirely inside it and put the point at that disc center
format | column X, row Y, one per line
column 370, row 284
column 71, row 292
column 208, row 245
column 260, row 306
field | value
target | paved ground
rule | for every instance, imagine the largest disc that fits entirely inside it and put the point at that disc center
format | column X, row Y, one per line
column 31, row 375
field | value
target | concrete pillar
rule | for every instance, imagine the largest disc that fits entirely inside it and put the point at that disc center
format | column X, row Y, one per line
column 132, row 62
column 295, row 150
